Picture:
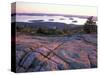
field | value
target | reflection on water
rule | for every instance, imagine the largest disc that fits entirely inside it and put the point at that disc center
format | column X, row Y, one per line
column 62, row 19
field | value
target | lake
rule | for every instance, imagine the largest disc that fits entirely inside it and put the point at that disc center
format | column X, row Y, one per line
column 61, row 19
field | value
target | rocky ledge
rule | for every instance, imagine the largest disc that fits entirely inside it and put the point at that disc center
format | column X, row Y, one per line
column 37, row 53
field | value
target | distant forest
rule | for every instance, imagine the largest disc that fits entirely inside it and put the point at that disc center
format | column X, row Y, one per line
column 89, row 27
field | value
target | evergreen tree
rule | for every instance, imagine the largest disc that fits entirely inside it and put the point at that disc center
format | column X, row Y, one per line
column 39, row 30
column 90, row 25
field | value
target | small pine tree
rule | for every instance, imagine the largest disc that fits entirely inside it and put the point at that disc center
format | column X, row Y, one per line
column 39, row 30
column 90, row 25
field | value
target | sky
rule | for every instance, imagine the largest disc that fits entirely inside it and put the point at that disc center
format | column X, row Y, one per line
column 29, row 7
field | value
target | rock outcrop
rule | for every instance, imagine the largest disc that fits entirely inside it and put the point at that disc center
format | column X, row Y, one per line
column 55, row 53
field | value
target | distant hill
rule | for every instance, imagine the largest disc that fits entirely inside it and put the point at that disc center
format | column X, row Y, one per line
column 49, row 25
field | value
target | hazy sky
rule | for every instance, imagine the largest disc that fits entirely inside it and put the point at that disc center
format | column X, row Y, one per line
column 26, row 7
